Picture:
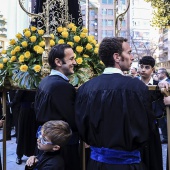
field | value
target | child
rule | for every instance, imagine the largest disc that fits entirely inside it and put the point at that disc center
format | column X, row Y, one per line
column 51, row 137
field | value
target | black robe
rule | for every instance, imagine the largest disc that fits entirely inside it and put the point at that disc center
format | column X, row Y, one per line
column 55, row 98
column 48, row 161
column 26, row 139
column 153, row 150
column 112, row 111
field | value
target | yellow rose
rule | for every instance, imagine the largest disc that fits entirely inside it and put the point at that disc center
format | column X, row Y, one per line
column 13, row 58
column 85, row 56
column 26, row 29
column 40, row 50
column 12, row 42
column 27, row 54
column 24, row 44
column 89, row 46
column 61, row 41
column 3, row 52
column 97, row 45
column 13, row 52
column 74, row 55
column 17, row 49
column 76, row 39
column 33, row 28
column 21, row 58
column 33, row 38
column 71, row 25
column 101, row 62
column 79, row 60
column 41, row 32
column 90, row 39
column 82, row 35
column 37, row 68
column 70, row 43
column 1, row 66
column 5, row 60
column 94, row 42
column 19, row 35
column 96, row 50
column 52, row 36
column 74, row 28
column 64, row 29
column 79, row 49
column 59, row 29
column 42, row 44
column 24, row 68
column 52, row 43
column 64, row 34
column 36, row 47
column 27, row 33
column 85, row 30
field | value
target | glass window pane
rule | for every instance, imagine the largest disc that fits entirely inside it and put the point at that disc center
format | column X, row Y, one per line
column 104, row 1
column 110, row 12
column 110, row 1
column 110, row 23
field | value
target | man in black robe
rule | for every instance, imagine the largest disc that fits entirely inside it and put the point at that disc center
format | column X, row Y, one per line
column 112, row 112
column 55, row 98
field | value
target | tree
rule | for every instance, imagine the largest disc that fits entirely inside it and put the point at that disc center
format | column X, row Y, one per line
column 161, row 13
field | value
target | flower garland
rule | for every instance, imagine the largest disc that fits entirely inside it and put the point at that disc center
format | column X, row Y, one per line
column 22, row 61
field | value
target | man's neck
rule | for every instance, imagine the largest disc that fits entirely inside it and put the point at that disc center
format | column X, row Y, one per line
column 145, row 80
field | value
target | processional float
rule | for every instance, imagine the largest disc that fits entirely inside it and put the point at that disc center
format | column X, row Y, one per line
column 45, row 17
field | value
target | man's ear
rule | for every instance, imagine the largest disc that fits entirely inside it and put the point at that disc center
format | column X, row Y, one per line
column 153, row 69
column 116, row 57
column 58, row 62
column 56, row 147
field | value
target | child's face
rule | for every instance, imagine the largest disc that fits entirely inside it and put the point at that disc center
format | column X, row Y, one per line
column 44, row 143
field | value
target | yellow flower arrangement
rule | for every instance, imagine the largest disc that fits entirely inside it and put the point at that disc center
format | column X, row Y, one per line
column 22, row 61
column 24, row 68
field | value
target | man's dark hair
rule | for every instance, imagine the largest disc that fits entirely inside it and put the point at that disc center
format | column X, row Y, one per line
column 108, row 47
column 147, row 60
column 57, row 52
column 163, row 70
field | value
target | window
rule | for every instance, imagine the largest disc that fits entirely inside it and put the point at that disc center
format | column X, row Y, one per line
column 107, row 1
column 123, row 23
column 104, row 22
column 123, row 2
column 110, row 1
column 104, row 1
column 92, row 23
column 110, row 33
column 92, row 13
column 110, row 23
column 104, row 33
column 104, row 11
column 110, row 12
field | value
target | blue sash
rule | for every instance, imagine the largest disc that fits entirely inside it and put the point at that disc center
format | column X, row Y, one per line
column 112, row 156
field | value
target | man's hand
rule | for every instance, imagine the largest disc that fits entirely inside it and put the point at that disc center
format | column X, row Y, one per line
column 164, row 84
column 31, row 161
column 167, row 100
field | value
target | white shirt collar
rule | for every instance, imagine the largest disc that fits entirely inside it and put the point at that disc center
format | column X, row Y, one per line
column 150, row 81
column 112, row 70
column 58, row 73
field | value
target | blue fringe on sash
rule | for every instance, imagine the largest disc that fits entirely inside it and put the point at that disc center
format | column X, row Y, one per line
column 112, row 156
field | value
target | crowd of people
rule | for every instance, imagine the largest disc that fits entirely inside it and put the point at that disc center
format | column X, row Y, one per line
column 114, row 114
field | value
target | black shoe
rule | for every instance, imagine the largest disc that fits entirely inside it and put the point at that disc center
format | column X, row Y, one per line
column 1, row 140
column 164, row 141
column 14, row 135
column 18, row 161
